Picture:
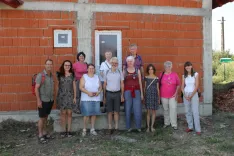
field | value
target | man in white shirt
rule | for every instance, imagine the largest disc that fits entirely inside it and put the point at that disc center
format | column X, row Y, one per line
column 104, row 67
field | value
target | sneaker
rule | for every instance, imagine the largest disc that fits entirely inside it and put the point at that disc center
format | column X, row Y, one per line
column 93, row 132
column 139, row 130
column 198, row 133
column 69, row 134
column 84, row 132
column 188, row 130
column 129, row 130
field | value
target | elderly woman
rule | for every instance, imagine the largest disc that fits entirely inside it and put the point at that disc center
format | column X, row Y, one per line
column 133, row 94
column 80, row 68
column 90, row 87
column 169, row 85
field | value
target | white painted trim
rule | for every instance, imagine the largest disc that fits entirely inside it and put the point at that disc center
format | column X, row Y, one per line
column 119, row 8
column 119, row 47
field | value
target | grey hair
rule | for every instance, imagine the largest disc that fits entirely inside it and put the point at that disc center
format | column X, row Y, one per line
column 114, row 59
column 133, row 45
column 168, row 64
column 130, row 58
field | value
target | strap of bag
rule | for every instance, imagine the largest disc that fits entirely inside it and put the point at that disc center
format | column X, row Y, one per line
column 107, row 65
column 151, row 82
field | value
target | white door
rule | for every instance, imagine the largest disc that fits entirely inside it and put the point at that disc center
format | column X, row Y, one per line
column 105, row 40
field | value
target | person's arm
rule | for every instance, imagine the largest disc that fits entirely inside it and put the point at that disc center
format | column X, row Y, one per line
column 142, row 72
column 82, row 87
column 74, row 90
column 102, row 69
column 37, row 87
column 182, row 84
column 196, row 86
column 158, row 92
column 177, row 86
column 140, row 83
column 144, row 88
column 104, row 92
column 122, row 90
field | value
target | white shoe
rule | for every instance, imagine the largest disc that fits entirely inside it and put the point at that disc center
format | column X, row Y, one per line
column 84, row 133
column 93, row 132
column 129, row 130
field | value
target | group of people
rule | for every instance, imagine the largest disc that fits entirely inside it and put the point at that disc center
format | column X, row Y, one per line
column 79, row 90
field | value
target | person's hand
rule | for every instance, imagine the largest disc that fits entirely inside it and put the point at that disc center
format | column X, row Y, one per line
column 122, row 98
column 97, row 93
column 175, row 96
column 74, row 100
column 142, row 97
column 90, row 94
column 39, row 104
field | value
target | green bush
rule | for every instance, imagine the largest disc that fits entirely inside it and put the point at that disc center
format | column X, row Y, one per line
column 229, row 73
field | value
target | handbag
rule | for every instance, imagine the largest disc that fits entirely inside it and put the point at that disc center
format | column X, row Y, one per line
column 151, row 83
column 13, row 3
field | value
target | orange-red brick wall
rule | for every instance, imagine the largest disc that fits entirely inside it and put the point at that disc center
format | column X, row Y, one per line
column 175, row 3
column 159, row 38
column 26, row 41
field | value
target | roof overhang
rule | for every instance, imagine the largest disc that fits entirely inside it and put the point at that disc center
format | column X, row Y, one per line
column 219, row 3
column 13, row 3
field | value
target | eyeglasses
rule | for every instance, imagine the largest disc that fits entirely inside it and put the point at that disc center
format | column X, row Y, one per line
column 115, row 63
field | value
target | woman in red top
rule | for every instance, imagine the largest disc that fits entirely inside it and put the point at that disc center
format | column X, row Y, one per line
column 80, row 68
column 133, row 94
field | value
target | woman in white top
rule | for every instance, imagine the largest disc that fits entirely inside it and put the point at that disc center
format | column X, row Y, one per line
column 190, row 84
column 90, row 86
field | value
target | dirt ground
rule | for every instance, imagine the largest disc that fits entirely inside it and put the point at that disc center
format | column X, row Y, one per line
column 217, row 139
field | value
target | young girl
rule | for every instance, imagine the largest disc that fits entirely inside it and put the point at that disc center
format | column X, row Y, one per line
column 190, row 83
column 152, row 97
column 66, row 97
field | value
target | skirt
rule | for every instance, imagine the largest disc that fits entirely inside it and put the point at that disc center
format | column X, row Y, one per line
column 90, row 108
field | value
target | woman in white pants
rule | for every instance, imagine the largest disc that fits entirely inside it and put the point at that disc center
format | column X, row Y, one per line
column 190, row 83
column 169, row 85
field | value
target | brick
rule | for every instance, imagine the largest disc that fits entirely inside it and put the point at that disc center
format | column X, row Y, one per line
column 36, row 60
column 40, row 51
column 35, row 42
column 5, row 106
column 45, row 42
column 6, row 23
column 12, row 32
column 14, row 70
column 26, row 41
column 27, row 60
column 15, row 13
column 15, row 106
column 2, row 60
column 22, row 51
column 4, row 70
column 17, row 42
column 30, row 32
column 13, row 51
column 9, row 60
column 23, row 69
column 18, row 60
column 43, row 24
column 7, row 41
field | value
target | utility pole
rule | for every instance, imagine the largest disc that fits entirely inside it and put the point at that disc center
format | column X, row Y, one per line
column 222, row 35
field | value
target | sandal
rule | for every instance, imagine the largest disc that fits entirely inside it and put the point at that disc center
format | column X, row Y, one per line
column 42, row 140
column 63, row 134
column 69, row 134
column 47, row 136
column 84, row 133
column 147, row 130
column 152, row 129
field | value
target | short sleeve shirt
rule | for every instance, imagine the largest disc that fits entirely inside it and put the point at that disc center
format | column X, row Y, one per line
column 79, row 69
column 113, row 80
column 169, row 83
column 46, row 90
column 138, row 62
column 190, row 83
column 104, row 67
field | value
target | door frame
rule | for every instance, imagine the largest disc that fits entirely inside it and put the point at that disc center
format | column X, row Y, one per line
column 97, row 47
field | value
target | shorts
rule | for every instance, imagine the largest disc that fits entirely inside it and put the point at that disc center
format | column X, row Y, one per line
column 46, row 109
column 113, row 100
column 90, row 108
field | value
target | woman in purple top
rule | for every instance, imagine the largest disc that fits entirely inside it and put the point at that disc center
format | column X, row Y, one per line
column 169, row 86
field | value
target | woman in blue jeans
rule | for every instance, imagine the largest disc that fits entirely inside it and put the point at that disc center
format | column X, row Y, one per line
column 133, row 94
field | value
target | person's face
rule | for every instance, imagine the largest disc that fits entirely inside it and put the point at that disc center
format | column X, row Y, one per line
column 151, row 70
column 133, row 50
column 130, row 63
column 48, row 65
column 188, row 68
column 168, row 68
column 114, row 64
column 67, row 66
column 108, row 55
column 91, row 70
column 81, row 58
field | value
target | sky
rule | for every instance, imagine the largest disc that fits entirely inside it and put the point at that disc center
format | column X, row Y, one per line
column 227, row 11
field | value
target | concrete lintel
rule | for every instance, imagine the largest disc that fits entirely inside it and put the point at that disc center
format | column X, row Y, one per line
column 119, row 8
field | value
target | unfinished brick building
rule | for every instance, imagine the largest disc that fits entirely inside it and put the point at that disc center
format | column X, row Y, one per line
column 175, row 30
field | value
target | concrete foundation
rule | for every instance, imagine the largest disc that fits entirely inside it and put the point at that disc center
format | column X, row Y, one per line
column 101, row 122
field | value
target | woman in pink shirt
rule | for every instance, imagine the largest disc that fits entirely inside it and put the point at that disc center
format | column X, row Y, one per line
column 169, row 85
column 80, row 68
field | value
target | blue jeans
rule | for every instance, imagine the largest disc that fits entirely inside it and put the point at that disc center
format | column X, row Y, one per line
column 135, row 104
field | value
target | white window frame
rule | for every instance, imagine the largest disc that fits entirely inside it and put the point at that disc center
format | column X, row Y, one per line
column 119, row 47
